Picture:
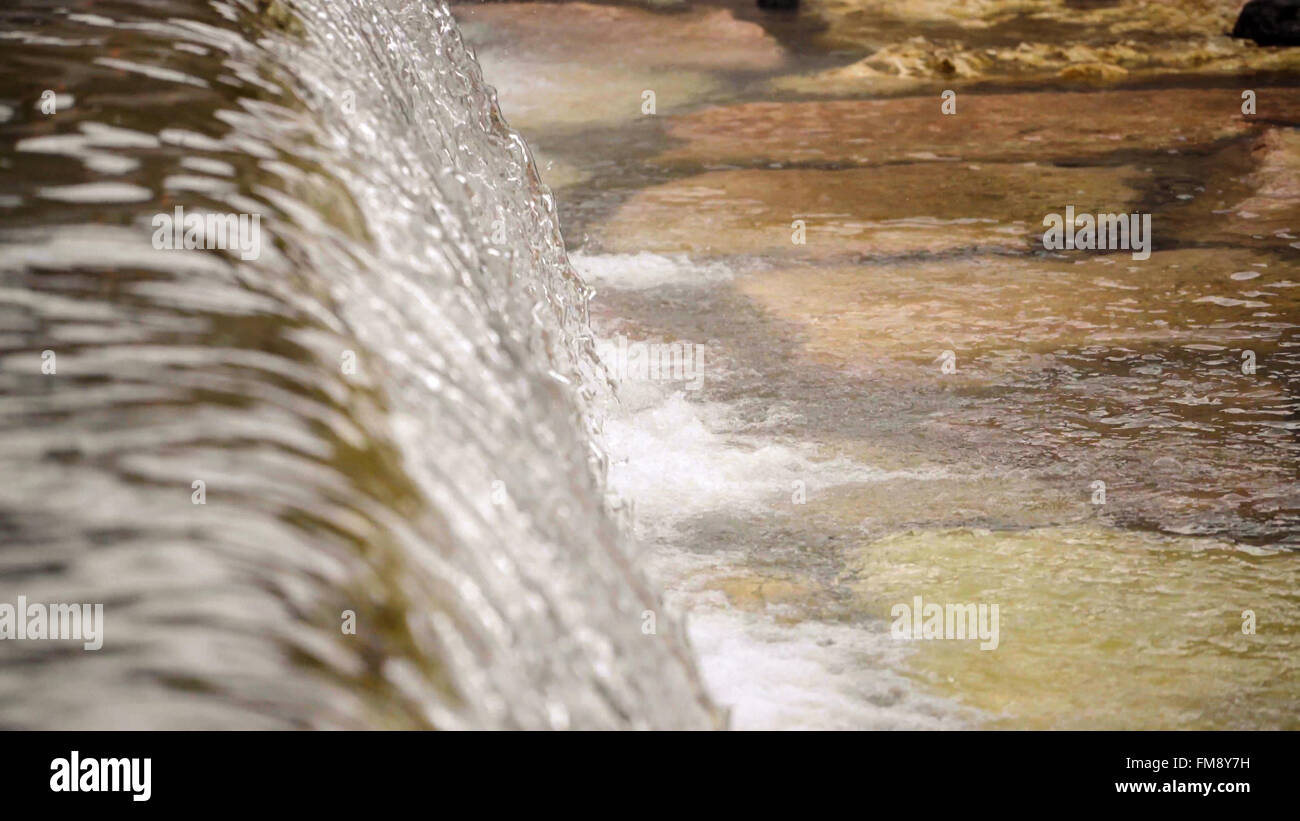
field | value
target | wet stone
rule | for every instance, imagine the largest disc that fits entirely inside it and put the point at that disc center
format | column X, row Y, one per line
column 986, row 127
column 1097, row 628
column 1270, row 22
column 1248, row 195
column 620, row 36
column 904, row 209
column 1007, row 315
column 573, row 65
column 915, row 43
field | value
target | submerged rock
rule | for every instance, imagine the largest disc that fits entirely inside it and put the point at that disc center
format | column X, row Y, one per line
column 1093, row 73
column 573, row 65
column 851, row 23
column 906, row 65
column 1277, row 180
column 925, row 207
column 1270, row 22
column 1041, row 126
column 619, row 36
column 1003, row 316
column 752, row 591
column 1248, row 194
column 1098, row 628
column 1272, row 210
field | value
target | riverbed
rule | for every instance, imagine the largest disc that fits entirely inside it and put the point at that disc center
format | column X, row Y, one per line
column 904, row 393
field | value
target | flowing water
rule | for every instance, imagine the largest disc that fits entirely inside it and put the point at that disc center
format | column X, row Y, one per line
column 397, row 410
column 390, row 410
column 1112, row 456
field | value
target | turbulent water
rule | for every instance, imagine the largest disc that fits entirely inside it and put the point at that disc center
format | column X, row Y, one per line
column 394, row 416
column 1104, row 460
column 387, row 412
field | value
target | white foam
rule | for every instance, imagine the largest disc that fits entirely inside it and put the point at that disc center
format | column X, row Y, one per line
column 811, row 676
column 634, row 272
column 676, row 459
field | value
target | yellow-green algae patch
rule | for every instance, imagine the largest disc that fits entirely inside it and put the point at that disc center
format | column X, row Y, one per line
column 1100, row 628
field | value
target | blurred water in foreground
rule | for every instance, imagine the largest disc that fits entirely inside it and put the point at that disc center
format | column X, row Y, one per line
column 388, row 410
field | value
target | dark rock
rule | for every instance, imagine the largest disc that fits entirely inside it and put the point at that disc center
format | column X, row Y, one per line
column 778, row 5
column 1270, row 22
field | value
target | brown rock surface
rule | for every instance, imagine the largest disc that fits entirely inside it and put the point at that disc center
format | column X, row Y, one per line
column 700, row 39
column 912, row 43
column 575, row 65
column 1040, row 126
column 1275, row 206
column 1000, row 314
column 924, row 207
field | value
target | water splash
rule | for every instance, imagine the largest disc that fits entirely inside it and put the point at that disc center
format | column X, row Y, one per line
column 448, row 487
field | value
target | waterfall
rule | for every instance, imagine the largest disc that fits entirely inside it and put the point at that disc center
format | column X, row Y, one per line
column 353, row 480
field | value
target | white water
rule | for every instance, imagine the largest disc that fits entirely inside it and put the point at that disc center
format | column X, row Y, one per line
column 675, row 460
column 682, row 460
column 449, row 492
